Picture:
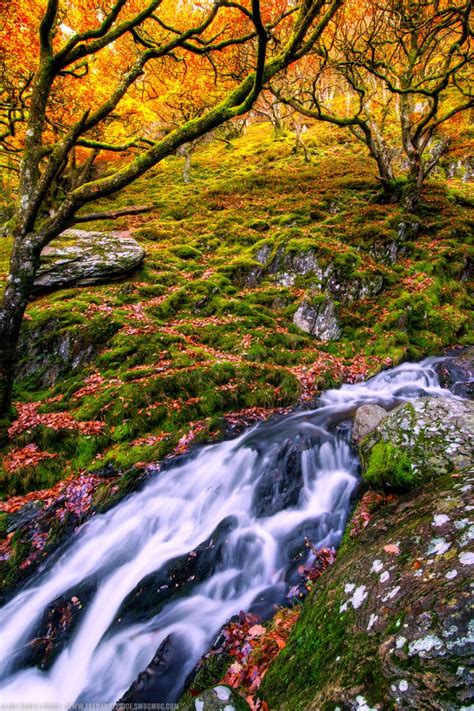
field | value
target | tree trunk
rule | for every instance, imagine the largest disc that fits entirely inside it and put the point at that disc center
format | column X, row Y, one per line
column 299, row 143
column 23, row 265
column 187, row 165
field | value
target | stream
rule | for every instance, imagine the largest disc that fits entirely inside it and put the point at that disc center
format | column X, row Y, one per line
column 218, row 532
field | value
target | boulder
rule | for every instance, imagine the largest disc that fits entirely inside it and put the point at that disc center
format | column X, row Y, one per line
column 456, row 372
column 80, row 258
column 388, row 624
column 418, row 441
column 319, row 320
column 220, row 698
column 366, row 419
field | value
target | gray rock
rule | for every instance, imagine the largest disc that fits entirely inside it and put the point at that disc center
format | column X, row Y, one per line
column 348, row 289
column 48, row 352
column 457, row 372
column 433, row 436
column 320, row 320
column 220, row 698
column 80, row 258
column 284, row 268
column 366, row 419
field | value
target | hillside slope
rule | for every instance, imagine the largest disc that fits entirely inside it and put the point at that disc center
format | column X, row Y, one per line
column 116, row 376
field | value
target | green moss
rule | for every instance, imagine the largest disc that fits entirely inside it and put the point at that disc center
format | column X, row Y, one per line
column 187, row 252
column 389, row 466
column 321, row 645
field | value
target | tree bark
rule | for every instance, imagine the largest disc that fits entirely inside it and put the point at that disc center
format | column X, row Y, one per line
column 23, row 265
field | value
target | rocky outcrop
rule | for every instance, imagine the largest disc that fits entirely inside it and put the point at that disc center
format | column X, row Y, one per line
column 418, row 441
column 285, row 267
column 47, row 351
column 388, row 625
column 366, row 419
column 79, row 258
column 320, row 320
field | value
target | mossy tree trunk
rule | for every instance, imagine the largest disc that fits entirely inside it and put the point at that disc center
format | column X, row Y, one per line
column 23, row 266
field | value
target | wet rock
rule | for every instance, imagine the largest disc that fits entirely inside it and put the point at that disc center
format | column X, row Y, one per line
column 24, row 516
column 280, row 483
column 457, row 373
column 79, row 258
column 366, row 419
column 320, row 320
column 418, row 441
column 156, row 684
column 220, row 698
column 388, row 625
column 176, row 578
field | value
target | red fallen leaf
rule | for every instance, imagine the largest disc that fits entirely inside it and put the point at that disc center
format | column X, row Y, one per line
column 28, row 456
column 279, row 640
column 416, row 565
column 392, row 549
column 29, row 417
column 256, row 631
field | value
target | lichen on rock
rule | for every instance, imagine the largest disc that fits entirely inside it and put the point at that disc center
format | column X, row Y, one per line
column 418, row 441
column 319, row 320
column 79, row 257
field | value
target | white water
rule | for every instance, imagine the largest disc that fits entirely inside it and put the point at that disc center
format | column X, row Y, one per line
column 176, row 511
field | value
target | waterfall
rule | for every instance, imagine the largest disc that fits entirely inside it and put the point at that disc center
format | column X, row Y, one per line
column 220, row 532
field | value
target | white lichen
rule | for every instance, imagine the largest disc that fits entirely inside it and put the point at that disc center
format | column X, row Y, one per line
column 377, row 566
column 356, row 600
column 222, row 693
column 390, row 595
column 373, row 619
column 438, row 546
column 424, row 644
column 400, row 642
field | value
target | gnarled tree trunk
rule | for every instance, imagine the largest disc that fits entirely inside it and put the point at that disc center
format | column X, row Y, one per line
column 23, row 266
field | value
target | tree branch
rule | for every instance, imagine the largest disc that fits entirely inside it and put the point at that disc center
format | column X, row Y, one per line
column 112, row 214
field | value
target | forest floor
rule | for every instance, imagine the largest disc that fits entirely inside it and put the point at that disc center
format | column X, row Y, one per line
column 189, row 345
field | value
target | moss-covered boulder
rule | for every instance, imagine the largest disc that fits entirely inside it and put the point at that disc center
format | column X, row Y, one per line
column 79, row 257
column 418, row 441
column 388, row 625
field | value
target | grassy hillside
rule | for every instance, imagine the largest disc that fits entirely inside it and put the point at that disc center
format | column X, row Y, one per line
column 202, row 331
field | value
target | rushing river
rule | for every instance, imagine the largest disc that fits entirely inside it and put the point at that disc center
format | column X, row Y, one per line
column 231, row 519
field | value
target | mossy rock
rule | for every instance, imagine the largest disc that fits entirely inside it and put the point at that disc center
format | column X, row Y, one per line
column 387, row 626
column 79, row 257
column 419, row 441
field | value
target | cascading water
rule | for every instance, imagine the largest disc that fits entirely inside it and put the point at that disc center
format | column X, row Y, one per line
column 228, row 524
